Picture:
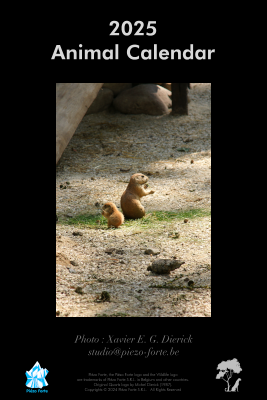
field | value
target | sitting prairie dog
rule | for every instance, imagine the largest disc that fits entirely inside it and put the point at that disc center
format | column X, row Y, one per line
column 114, row 216
column 130, row 200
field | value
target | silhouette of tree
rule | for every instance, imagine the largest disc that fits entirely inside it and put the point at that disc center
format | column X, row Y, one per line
column 227, row 368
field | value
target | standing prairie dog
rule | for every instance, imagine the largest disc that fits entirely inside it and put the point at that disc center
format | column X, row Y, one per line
column 130, row 200
column 114, row 216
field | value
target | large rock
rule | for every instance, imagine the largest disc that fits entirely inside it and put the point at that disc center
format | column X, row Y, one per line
column 117, row 87
column 166, row 85
column 72, row 102
column 164, row 266
column 101, row 102
column 144, row 99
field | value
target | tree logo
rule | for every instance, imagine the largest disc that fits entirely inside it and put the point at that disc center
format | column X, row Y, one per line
column 227, row 368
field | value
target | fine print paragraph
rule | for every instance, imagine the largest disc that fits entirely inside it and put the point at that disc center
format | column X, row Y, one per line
column 133, row 382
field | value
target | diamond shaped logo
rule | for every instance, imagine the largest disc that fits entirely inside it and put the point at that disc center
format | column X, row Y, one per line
column 36, row 376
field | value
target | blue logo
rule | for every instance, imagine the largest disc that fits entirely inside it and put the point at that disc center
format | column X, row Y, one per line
column 36, row 376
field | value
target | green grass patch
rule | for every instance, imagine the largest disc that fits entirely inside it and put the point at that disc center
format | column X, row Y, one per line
column 84, row 221
column 152, row 219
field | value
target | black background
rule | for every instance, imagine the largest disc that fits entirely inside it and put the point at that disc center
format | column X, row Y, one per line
column 50, row 340
column 68, row 361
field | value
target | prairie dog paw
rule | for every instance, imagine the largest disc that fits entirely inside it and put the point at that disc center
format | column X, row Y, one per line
column 152, row 191
column 146, row 186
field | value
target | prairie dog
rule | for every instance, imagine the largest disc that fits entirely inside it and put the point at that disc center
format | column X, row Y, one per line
column 114, row 216
column 130, row 200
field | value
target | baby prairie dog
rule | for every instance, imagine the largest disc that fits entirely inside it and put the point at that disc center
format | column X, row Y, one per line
column 130, row 200
column 114, row 216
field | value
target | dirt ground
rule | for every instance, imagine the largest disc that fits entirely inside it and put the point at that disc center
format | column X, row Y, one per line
column 106, row 149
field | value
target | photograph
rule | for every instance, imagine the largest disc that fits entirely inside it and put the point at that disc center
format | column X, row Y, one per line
column 133, row 200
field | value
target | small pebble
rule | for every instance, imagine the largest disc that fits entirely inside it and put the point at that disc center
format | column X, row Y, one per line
column 72, row 271
column 119, row 251
column 110, row 251
column 79, row 290
column 152, row 251
column 105, row 296
column 77, row 233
